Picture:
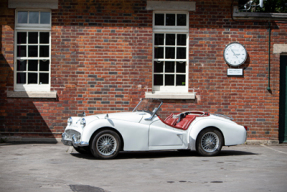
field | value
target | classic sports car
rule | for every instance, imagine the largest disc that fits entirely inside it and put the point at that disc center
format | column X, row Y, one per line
column 142, row 129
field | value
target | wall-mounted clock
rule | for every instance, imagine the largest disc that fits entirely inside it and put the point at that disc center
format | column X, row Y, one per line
column 235, row 54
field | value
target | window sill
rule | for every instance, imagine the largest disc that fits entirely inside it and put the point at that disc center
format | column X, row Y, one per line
column 32, row 94
column 170, row 6
column 169, row 95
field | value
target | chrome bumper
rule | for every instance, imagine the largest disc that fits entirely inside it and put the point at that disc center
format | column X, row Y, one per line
column 73, row 140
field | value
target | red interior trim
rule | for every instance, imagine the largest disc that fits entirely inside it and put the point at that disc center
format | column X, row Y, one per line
column 185, row 122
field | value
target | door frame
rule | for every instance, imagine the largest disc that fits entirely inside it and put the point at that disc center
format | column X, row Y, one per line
column 283, row 100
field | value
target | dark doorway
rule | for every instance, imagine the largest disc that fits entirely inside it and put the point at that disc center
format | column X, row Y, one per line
column 283, row 100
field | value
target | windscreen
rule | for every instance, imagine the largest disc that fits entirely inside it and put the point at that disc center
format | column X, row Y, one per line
column 148, row 105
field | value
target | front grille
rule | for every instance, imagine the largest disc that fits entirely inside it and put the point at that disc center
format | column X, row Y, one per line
column 70, row 133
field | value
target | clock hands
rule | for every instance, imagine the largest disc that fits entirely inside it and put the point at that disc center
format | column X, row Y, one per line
column 234, row 53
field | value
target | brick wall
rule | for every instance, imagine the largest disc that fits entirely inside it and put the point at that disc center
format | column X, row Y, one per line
column 102, row 62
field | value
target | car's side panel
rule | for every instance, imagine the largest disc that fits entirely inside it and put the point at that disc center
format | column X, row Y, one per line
column 233, row 133
column 162, row 135
column 135, row 135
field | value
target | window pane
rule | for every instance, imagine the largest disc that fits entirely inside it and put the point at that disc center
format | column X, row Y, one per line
column 44, row 51
column 21, row 37
column 181, row 19
column 170, row 48
column 33, row 37
column 32, row 78
column 169, row 52
column 180, row 67
column 170, row 39
column 170, row 19
column 158, row 52
column 158, row 67
column 180, row 80
column 158, row 79
column 22, row 16
column 33, row 65
column 21, row 65
column 181, row 39
column 158, row 39
column 21, row 51
column 21, row 78
column 44, row 37
column 169, row 66
column 44, row 78
column 44, row 65
column 169, row 79
column 45, row 18
column 159, row 19
column 181, row 53
column 33, row 17
column 32, row 51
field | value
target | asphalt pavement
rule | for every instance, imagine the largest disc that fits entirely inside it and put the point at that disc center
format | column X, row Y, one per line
column 55, row 167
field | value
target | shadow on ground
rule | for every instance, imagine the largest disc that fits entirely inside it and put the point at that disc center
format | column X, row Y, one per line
column 163, row 154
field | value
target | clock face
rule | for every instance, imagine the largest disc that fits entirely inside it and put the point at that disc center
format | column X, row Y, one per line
column 235, row 54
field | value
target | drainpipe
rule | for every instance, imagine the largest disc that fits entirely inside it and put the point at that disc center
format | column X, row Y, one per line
column 269, row 30
column 268, row 88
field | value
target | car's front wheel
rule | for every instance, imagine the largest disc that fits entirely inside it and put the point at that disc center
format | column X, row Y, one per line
column 106, row 144
column 209, row 142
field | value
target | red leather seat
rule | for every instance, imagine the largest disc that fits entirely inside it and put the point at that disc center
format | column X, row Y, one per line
column 170, row 116
column 184, row 123
column 171, row 121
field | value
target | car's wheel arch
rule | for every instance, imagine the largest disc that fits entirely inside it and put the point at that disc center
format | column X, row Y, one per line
column 108, row 128
column 212, row 127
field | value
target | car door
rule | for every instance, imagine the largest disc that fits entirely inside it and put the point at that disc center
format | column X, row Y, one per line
column 162, row 136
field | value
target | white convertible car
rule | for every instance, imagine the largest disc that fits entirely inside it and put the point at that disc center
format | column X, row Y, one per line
column 142, row 129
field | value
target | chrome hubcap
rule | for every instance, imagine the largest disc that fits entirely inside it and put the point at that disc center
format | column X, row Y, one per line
column 210, row 142
column 106, row 144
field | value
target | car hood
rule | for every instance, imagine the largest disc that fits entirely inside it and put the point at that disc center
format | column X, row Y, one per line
column 124, row 116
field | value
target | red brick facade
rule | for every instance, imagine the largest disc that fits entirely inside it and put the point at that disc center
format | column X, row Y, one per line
column 102, row 62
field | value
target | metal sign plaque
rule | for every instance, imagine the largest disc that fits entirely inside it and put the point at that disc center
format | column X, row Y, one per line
column 235, row 72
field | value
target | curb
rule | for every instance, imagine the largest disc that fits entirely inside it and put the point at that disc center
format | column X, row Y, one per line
column 260, row 142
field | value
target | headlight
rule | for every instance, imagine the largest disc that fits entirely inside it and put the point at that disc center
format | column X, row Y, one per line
column 83, row 122
column 70, row 121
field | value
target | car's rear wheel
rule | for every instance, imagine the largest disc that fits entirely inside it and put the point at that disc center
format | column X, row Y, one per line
column 209, row 142
column 106, row 144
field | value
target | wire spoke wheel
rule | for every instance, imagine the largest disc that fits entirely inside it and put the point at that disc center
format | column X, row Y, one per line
column 106, row 144
column 209, row 142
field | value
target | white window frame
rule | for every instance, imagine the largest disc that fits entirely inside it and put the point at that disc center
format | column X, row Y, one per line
column 26, row 27
column 171, row 30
